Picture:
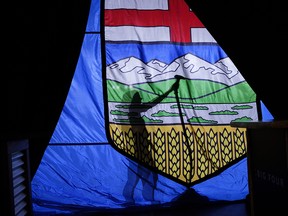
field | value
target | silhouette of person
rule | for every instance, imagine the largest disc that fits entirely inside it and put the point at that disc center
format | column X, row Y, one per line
column 143, row 149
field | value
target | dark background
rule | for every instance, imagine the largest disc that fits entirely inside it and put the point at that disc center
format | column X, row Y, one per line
column 42, row 41
column 41, row 49
column 254, row 35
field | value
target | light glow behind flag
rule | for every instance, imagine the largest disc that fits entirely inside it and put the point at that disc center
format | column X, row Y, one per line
column 92, row 159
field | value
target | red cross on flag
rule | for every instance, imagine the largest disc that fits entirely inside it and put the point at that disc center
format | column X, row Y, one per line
column 153, row 21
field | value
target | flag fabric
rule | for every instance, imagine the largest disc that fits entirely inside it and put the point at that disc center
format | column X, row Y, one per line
column 147, row 116
column 157, row 22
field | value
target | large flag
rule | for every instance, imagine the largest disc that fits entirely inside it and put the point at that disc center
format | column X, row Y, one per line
column 147, row 117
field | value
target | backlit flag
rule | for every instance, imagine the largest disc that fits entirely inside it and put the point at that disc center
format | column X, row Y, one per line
column 172, row 91
column 147, row 115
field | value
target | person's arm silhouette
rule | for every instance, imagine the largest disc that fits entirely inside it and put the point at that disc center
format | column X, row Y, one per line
column 174, row 87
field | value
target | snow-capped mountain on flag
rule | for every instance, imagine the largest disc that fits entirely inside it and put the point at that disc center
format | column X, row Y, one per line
column 132, row 70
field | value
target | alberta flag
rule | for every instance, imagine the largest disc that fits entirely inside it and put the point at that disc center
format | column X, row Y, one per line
column 147, row 117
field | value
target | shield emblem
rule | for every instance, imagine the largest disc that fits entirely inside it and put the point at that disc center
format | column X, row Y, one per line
column 172, row 91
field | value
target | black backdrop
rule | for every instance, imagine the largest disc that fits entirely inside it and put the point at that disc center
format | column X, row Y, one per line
column 42, row 41
column 42, row 45
column 254, row 35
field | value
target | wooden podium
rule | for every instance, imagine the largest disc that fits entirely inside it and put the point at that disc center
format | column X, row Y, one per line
column 267, row 159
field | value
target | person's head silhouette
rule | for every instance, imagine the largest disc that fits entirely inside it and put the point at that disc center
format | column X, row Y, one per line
column 136, row 98
column 132, row 97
